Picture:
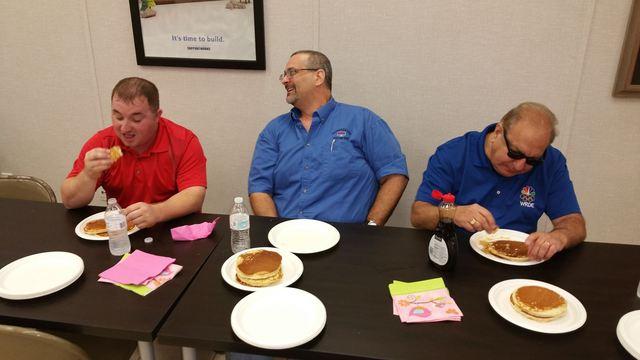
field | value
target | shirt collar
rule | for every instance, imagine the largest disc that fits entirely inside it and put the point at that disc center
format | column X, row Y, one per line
column 322, row 112
column 480, row 158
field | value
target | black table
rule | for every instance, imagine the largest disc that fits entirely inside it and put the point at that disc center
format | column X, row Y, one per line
column 87, row 306
column 351, row 280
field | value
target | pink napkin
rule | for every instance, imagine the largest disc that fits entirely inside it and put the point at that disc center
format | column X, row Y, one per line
column 137, row 268
column 193, row 232
column 426, row 306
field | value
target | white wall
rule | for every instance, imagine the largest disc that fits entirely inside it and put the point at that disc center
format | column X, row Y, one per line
column 432, row 69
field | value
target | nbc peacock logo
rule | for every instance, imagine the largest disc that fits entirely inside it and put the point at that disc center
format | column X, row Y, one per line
column 527, row 196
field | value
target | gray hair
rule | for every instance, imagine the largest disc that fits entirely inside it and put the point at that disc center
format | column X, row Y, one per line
column 514, row 115
column 318, row 60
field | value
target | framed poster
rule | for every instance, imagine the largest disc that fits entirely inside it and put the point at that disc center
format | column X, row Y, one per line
column 628, row 79
column 199, row 33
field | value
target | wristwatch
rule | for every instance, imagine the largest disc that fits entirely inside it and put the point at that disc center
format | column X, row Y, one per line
column 372, row 222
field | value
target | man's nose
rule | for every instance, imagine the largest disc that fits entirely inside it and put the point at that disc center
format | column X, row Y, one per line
column 520, row 164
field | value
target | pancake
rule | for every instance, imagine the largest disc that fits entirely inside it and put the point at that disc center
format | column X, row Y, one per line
column 508, row 249
column 259, row 268
column 115, row 153
column 98, row 227
column 538, row 303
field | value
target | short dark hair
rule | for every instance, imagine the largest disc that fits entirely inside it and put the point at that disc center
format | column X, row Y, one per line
column 514, row 115
column 128, row 89
column 318, row 60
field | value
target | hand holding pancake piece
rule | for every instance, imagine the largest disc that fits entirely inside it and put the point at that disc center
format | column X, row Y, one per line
column 474, row 218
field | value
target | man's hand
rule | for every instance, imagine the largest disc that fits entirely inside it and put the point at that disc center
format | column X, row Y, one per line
column 96, row 161
column 142, row 215
column 474, row 218
column 543, row 245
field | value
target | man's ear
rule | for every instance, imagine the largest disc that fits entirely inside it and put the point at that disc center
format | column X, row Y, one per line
column 319, row 76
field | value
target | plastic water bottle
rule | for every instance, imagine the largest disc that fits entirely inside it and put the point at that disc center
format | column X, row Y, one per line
column 117, row 228
column 239, row 224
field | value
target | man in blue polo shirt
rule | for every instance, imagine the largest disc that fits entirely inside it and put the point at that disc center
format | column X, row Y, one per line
column 506, row 176
column 325, row 160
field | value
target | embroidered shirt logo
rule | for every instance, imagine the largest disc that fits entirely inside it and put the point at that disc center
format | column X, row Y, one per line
column 342, row 133
column 527, row 196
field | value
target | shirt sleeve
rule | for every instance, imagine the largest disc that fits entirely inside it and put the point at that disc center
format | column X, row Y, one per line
column 438, row 175
column 78, row 165
column 382, row 149
column 192, row 170
column 265, row 156
column 562, row 197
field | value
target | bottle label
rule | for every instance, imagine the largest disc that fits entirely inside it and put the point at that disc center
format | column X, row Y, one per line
column 116, row 224
column 438, row 252
column 239, row 221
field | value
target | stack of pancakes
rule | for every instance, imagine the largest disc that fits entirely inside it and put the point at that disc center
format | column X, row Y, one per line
column 259, row 268
column 538, row 303
column 507, row 249
column 99, row 227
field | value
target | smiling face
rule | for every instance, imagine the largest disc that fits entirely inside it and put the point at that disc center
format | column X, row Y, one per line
column 135, row 123
column 300, row 86
column 529, row 136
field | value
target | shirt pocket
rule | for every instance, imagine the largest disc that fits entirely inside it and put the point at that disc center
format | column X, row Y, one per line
column 341, row 160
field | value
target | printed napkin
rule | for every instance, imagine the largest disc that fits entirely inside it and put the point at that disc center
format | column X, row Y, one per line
column 137, row 268
column 193, row 232
column 150, row 284
column 423, row 301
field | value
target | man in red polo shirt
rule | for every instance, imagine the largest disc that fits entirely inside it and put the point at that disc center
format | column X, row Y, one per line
column 162, row 173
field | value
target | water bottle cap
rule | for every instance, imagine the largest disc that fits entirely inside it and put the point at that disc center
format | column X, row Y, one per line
column 449, row 198
column 111, row 201
column 238, row 200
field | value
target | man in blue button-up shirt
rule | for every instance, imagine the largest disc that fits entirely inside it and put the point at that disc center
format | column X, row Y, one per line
column 325, row 160
column 507, row 176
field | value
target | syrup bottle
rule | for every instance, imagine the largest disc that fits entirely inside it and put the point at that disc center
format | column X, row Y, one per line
column 443, row 245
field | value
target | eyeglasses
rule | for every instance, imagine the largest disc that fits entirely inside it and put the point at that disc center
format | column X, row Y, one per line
column 517, row 155
column 291, row 72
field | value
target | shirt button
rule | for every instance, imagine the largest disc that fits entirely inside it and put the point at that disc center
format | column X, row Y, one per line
column 306, row 167
column 307, row 144
column 138, row 172
column 305, row 190
column 300, row 212
column 498, row 192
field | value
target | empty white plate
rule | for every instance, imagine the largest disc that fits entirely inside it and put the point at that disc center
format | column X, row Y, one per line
column 278, row 318
column 628, row 332
column 39, row 274
column 292, row 268
column 304, row 236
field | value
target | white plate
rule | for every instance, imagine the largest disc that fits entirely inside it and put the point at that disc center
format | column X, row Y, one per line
column 501, row 234
column 39, row 274
column 628, row 332
column 291, row 270
column 304, row 236
column 499, row 298
column 278, row 318
column 100, row 215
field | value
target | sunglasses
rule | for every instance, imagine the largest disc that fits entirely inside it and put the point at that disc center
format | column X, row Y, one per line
column 517, row 155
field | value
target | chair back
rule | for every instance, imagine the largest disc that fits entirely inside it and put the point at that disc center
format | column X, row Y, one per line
column 30, row 344
column 25, row 188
